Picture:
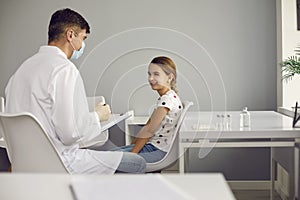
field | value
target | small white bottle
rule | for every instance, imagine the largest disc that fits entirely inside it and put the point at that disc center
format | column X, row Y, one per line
column 245, row 118
column 229, row 121
column 223, row 122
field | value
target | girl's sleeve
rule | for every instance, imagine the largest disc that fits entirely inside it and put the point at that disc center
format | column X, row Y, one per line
column 165, row 101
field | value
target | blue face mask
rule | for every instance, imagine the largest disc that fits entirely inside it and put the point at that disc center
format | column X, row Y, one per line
column 76, row 54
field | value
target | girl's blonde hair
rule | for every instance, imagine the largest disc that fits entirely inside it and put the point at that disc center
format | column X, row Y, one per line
column 169, row 67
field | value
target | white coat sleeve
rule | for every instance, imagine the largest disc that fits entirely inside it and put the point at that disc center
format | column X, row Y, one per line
column 70, row 115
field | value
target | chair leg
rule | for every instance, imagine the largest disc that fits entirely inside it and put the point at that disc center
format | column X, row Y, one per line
column 4, row 160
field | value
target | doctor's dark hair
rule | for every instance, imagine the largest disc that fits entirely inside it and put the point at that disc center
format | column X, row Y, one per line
column 169, row 67
column 62, row 19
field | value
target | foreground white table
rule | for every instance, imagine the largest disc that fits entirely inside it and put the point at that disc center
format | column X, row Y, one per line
column 57, row 186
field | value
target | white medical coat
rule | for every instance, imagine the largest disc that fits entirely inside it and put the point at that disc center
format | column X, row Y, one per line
column 49, row 86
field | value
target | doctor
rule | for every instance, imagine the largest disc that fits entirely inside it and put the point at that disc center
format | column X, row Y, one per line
column 49, row 86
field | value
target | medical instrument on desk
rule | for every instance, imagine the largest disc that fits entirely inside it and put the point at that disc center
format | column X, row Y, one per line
column 228, row 122
column 245, row 118
column 223, row 122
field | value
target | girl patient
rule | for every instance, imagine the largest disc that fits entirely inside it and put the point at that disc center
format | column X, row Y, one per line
column 153, row 141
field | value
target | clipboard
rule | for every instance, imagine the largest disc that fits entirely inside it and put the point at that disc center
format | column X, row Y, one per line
column 105, row 125
column 114, row 119
column 296, row 118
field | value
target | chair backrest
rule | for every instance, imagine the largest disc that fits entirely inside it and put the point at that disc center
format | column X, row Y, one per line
column 30, row 148
column 2, row 104
column 2, row 109
column 173, row 153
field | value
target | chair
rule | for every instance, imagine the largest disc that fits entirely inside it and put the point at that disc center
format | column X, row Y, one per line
column 29, row 147
column 173, row 154
column 2, row 109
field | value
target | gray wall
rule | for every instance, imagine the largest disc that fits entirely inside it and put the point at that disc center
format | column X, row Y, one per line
column 225, row 51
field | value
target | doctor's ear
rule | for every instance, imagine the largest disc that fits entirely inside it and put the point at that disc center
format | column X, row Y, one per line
column 69, row 33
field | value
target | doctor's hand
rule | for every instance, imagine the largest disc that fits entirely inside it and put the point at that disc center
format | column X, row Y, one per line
column 103, row 111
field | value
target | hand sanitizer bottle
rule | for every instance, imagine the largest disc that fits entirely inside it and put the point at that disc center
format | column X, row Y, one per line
column 245, row 118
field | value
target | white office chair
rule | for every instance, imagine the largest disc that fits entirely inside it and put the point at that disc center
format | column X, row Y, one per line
column 2, row 109
column 29, row 147
column 2, row 103
column 172, row 155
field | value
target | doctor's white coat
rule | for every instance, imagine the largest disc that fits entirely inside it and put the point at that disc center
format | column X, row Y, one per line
column 50, row 87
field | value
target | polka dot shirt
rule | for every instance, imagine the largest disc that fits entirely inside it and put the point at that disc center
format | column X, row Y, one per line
column 162, row 138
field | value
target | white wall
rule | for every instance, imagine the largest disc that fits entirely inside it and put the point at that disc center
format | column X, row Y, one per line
column 225, row 50
column 289, row 40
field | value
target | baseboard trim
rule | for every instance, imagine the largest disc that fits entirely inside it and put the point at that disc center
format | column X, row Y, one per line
column 249, row 185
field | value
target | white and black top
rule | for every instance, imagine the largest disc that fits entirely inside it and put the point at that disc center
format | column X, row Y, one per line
column 162, row 138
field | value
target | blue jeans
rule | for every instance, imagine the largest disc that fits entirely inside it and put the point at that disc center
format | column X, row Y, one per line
column 131, row 163
column 149, row 152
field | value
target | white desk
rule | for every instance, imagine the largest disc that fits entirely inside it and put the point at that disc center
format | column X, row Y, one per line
column 268, row 129
column 57, row 186
column 199, row 130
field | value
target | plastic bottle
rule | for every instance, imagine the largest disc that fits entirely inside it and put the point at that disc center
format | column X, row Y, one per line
column 223, row 122
column 229, row 121
column 245, row 118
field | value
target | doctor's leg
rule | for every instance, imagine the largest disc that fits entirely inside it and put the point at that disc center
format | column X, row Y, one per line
column 131, row 163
